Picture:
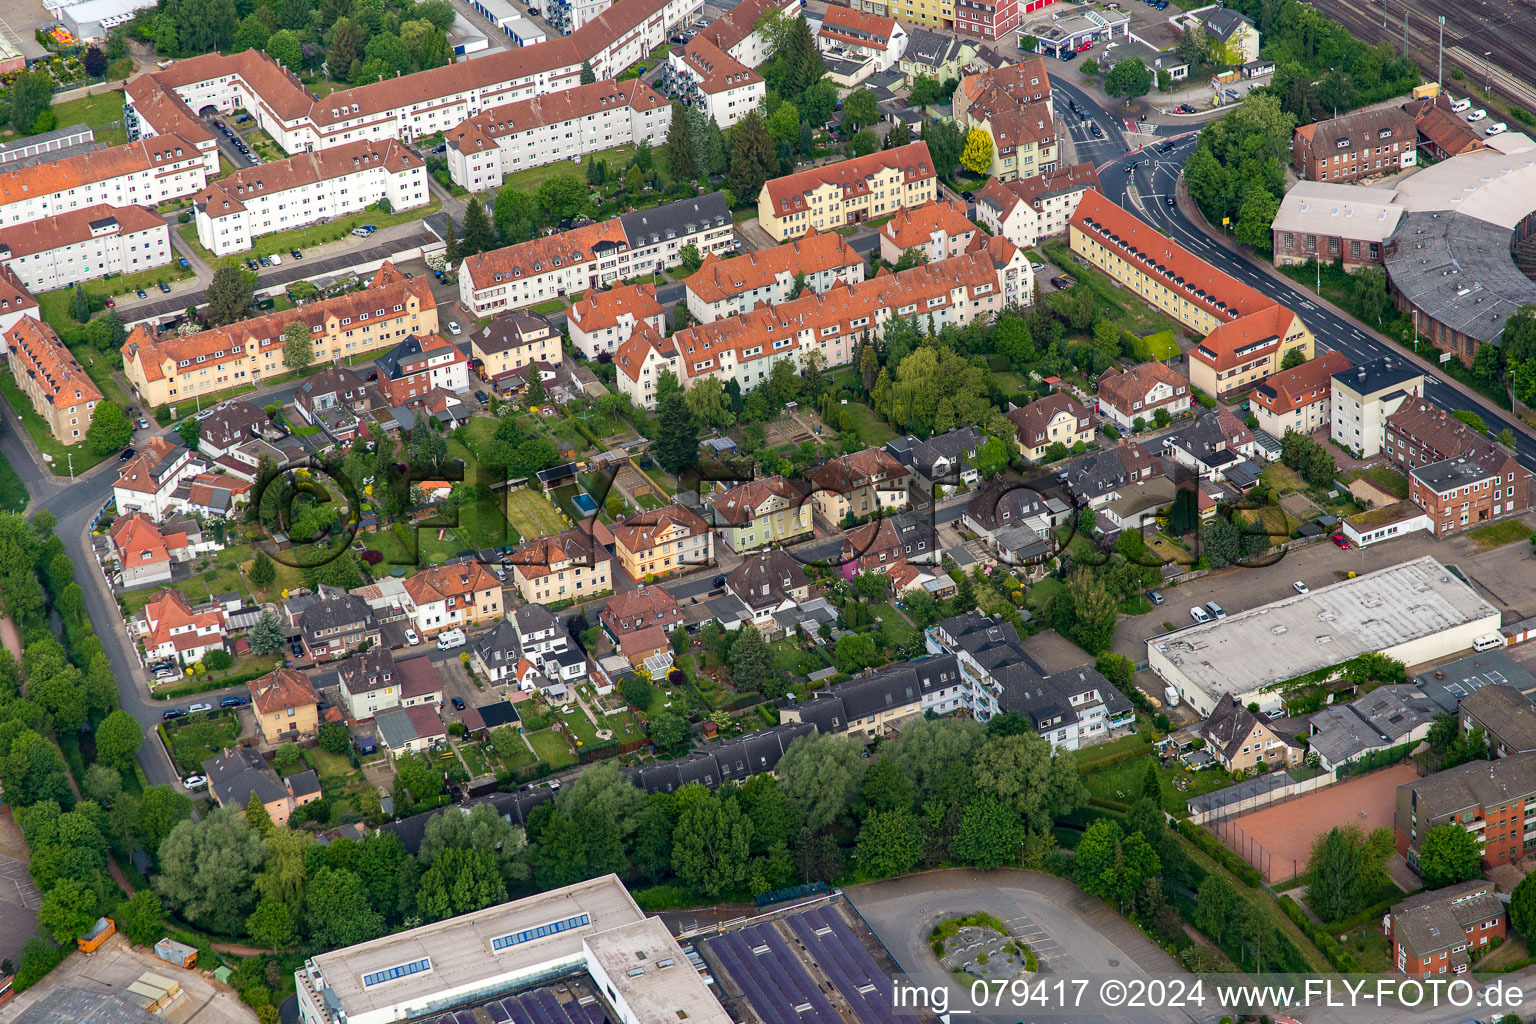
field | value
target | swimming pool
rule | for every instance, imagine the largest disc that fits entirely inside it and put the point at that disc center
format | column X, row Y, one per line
column 584, row 503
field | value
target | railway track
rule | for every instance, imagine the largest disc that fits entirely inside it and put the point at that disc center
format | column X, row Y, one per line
column 1506, row 29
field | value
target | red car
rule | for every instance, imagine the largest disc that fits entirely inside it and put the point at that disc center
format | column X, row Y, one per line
column 1341, row 540
column 111, row 301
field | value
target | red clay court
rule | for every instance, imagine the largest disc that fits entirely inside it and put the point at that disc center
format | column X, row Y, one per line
column 1278, row 839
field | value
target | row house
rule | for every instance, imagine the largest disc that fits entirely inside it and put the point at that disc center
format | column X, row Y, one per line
column 1437, row 932
column 1362, row 144
column 872, row 706
column 368, row 683
column 1013, row 106
column 459, row 595
column 860, row 485
column 725, row 287
column 767, row 511
column 170, row 368
column 712, row 764
column 565, row 567
column 48, row 373
column 406, row 107
column 993, row 275
column 148, row 482
column 1455, row 474
column 82, row 245
column 233, row 212
column 939, row 229
column 15, row 302
column 546, row 129
column 1136, row 394
column 604, row 320
column 595, row 255
column 511, row 342
column 857, row 35
column 1054, row 419
column 846, row 192
column 1029, row 210
column 145, row 173
column 169, row 627
column 1245, row 351
column 413, row 369
column 1299, row 399
column 663, row 541
column 704, row 76
column 1494, row 800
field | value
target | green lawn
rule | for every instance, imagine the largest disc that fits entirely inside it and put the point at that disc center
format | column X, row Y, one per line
column 532, row 515
column 66, row 458
column 315, row 234
column 1385, row 477
column 1125, row 308
column 1282, row 479
column 521, row 756
column 328, row 766
column 201, row 737
column 221, row 577
column 57, row 306
column 99, row 367
column 1497, row 535
column 1162, row 345
column 102, row 112
column 547, row 306
column 528, row 181
column 872, row 430
column 1123, row 781
column 474, row 760
column 894, row 628
column 581, row 727
column 551, row 748
column 789, row 656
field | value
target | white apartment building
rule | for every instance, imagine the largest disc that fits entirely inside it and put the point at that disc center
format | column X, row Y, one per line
column 604, row 320
column 736, row 32
column 566, row 16
column 143, row 173
column 565, row 125
column 849, row 34
column 81, row 245
column 1026, row 210
column 406, row 107
column 722, row 288
column 234, row 211
column 596, row 255
column 1362, row 397
column 707, row 77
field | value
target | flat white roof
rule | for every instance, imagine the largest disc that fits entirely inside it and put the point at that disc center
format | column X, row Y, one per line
column 1250, row 650
column 1497, row 184
column 1331, row 208
column 460, row 950
column 655, row 979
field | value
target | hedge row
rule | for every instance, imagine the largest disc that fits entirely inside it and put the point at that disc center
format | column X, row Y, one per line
column 1342, row 961
column 1212, row 847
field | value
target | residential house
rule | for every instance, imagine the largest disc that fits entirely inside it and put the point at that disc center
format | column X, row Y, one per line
column 860, row 485
column 1247, row 350
column 1028, row 210
column 1362, row 144
column 1506, row 717
column 604, row 320
column 512, row 342
column 410, row 730
column 418, row 365
column 238, row 773
column 663, row 541
column 643, row 646
column 15, row 302
column 1055, row 419
column 768, row 581
column 850, row 34
column 85, row 244
column 1002, row 505
column 1298, row 399
column 939, row 229
column 337, row 399
column 884, row 543
column 872, row 706
column 1136, row 394
column 231, row 426
column 1455, row 474
column 943, row 465
column 1437, row 932
column 1441, row 132
column 461, row 594
column 1125, row 484
column 420, row 684
column 725, row 287
column 1233, row 39
column 538, row 631
column 711, row 764
column 1211, row 444
column 642, row 608
column 286, row 705
column 169, row 627
column 1241, row 740
column 1487, row 798
column 567, row 566
column 847, row 192
column 496, row 653
column 768, row 510
column 141, row 550
column 1387, row 717
column 929, row 54
column 1362, row 398
column 60, row 390
column 331, row 628
column 1013, row 106
column 369, row 683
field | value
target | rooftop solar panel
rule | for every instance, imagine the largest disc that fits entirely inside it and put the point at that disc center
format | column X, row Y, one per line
column 497, row 1013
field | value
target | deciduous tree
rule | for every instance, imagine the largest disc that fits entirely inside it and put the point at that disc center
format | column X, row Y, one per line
column 977, row 154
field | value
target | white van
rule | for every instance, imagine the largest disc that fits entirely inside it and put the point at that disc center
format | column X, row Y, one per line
column 1497, row 128
column 1198, row 614
column 1457, row 106
column 449, row 640
column 1487, row 643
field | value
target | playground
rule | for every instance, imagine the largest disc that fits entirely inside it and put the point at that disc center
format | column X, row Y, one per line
column 1278, row 839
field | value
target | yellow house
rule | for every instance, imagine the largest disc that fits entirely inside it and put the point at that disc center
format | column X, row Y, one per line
column 847, row 192
column 1242, row 741
column 1012, row 105
column 761, row 512
column 860, row 485
column 662, row 542
column 928, row 13
column 1245, row 351
column 286, row 705
column 512, row 341
column 171, row 368
column 568, row 566
column 1054, row 419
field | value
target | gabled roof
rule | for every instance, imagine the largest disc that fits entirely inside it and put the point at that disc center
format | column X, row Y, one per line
column 139, row 542
column 1439, row 919
column 37, row 352
column 916, row 225
column 91, row 166
column 848, row 473
column 814, row 252
column 147, row 471
column 228, row 196
column 647, row 529
column 634, row 609
column 790, row 194
column 1437, row 430
column 461, row 580
column 73, row 226
column 766, row 577
column 282, row 689
column 1098, row 473
column 739, row 505
column 599, row 310
column 583, row 101
column 411, row 355
column 1000, row 503
column 237, row 421
column 1034, row 420
column 1223, row 23
column 1312, row 381
column 1123, row 389
column 1240, row 340
column 1228, row 726
column 536, row 558
column 1036, row 188
column 337, row 613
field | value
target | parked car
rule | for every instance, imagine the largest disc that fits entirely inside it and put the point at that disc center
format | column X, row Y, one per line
column 173, row 713
column 297, row 648
column 277, row 260
column 411, row 637
column 1231, row 94
column 125, row 455
column 183, row 261
column 1300, row 587
column 1154, row 597
column 1215, row 609
column 263, row 261
column 482, row 397
column 1477, row 115
column 195, row 781
column 1274, row 713
column 1497, row 128
column 296, row 254
column 1341, row 540
column 143, row 423
column 1198, row 614
column 1067, row 55
column 141, row 293
column 1037, row 267
column 454, row 328
column 1184, row 108
column 233, row 702
column 252, row 265
column 165, row 287
column 111, row 302
column 166, row 675
column 199, row 707
column 458, row 703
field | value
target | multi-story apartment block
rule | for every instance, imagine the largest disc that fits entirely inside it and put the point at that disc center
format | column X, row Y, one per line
column 566, row 567
column 143, row 173
column 1026, row 210
column 418, row 365
column 1247, row 350
column 1494, row 800
column 1456, row 475
column 1013, row 105
column 871, row 706
column 604, row 320
column 1362, row 397
column 81, row 245
column 164, row 367
column 991, row 19
column 1324, row 220
column 1461, row 493
column 1054, row 419
column 1437, row 932
column 62, row 393
column 860, row 485
column 847, row 192
column 406, row 107
column 459, row 595
column 234, row 211
column 546, row 129
column 745, row 347
column 617, row 249
column 1298, row 399
column 512, row 341
column 1363, row 144
column 768, row 510
column 663, row 541
column 867, row 37
column 939, row 229
column 15, row 302
column 725, row 287
column 1505, row 716
column 705, row 76
column 1126, row 396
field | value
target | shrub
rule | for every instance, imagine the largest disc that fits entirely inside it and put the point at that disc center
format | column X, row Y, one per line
column 218, row 660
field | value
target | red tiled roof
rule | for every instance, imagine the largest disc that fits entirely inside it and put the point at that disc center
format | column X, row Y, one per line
column 73, row 226
column 37, row 352
column 486, row 127
column 739, row 505
column 1310, row 382
column 1243, row 339
column 788, row 194
column 857, row 27
column 599, row 310
column 634, row 609
column 139, row 543
column 69, row 172
column 282, row 689
column 1123, row 390
column 442, row 582
column 226, row 196
column 814, row 252
column 914, row 226
column 642, row 532
column 848, row 473
column 426, row 721
column 716, row 70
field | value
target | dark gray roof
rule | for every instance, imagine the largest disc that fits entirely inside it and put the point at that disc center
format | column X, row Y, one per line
column 337, row 613
column 1377, row 720
column 1507, row 715
column 304, row 783
column 891, row 687
column 513, row 807
column 395, row 728
column 337, row 380
column 1100, row 473
column 956, row 446
column 1378, row 375
column 1449, row 474
column 1447, row 684
column 369, row 670
column 1437, row 920
column 68, row 1004
column 407, row 351
column 722, row 761
column 238, row 421
column 1458, row 270
column 647, row 227
column 1221, row 23
column 766, row 577
column 512, row 330
column 1205, row 439
column 535, row 618
column 1474, row 784
column 499, row 645
column 502, row 712
column 235, row 774
column 1228, row 726
column 929, row 47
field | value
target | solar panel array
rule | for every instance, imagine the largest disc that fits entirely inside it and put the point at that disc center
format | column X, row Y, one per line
column 537, row 1007
column 780, row 989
